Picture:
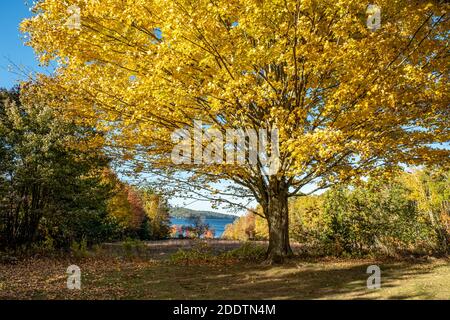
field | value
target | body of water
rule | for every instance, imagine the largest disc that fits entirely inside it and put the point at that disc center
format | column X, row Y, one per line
column 218, row 224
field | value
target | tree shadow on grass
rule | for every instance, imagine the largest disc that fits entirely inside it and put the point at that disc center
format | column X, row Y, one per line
column 308, row 281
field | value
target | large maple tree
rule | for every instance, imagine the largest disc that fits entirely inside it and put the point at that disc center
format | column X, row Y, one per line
column 348, row 100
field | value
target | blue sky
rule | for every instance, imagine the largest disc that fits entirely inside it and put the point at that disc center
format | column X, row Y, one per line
column 12, row 49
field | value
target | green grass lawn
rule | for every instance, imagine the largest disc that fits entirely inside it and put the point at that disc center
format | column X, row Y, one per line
column 117, row 278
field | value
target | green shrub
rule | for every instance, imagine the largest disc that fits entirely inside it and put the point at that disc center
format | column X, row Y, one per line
column 79, row 249
column 199, row 253
column 133, row 247
column 248, row 251
column 202, row 253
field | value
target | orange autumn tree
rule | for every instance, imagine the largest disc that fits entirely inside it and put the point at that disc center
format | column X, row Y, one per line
column 126, row 205
column 349, row 99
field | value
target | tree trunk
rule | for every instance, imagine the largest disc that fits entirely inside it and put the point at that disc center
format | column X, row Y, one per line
column 278, row 222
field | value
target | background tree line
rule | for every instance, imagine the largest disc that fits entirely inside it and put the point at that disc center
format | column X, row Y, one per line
column 56, row 182
column 408, row 213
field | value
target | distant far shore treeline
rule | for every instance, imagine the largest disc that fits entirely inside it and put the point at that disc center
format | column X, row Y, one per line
column 186, row 213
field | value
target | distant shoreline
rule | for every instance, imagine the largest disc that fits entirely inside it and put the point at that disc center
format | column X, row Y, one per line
column 185, row 213
column 217, row 225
